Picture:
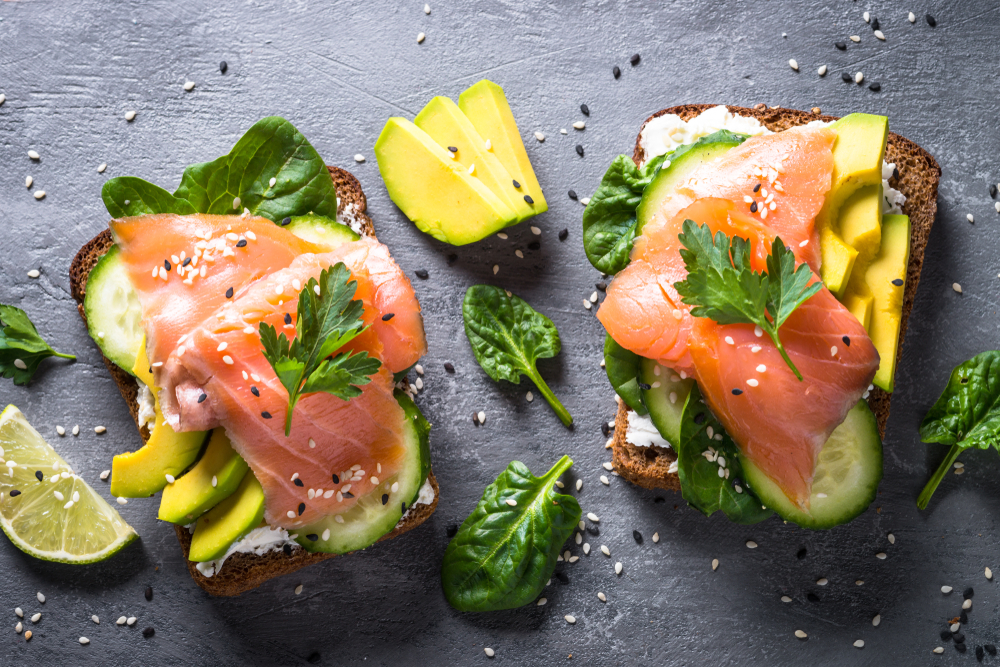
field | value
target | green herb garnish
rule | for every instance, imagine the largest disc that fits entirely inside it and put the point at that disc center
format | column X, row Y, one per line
column 965, row 416
column 508, row 337
column 722, row 285
column 328, row 319
column 21, row 348
column 504, row 553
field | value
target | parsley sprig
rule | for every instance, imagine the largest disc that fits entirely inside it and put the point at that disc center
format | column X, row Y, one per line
column 21, row 348
column 328, row 319
column 722, row 285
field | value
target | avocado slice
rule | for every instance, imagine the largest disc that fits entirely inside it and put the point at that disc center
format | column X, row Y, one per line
column 142, row 473
column 860, row 305
column 861, row 221
column 321, row 230
column 435, row 191
column 228, row 521
column 445, row 123
column 857, row 162
column 195, row 493
column 486, row 107
column 887, row 310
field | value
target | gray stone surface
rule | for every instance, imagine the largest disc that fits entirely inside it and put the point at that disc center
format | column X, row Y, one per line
column 70, row 71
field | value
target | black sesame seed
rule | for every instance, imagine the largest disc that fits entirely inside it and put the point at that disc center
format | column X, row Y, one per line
column 605, row 429
column 634, row 59
column 302, row 508
column 931, row 21
column 517, row 186
column 201, row 399
column 637, row 536
column 756, row 188
column 534, row 245
column 617, row 72
column 285, row 222
column 385, row 498
column 968, row 593
column 528, row 199
column 875, row 86
column 993, row 191
column 961, row 648
column 579, row 150
column 979, row 653
column 958, row 637
column 166, row 264
column 14, row 493
column 584, row 109
column 242, row 243
column 449, row 367
column 659, row 499
column 990, row 648
column 946, row 635
column 737, row 392
column 38, row 475
column 388, row 316
column 562, row 577
column 898, row 282
column 186, row 261
column 404, row 507
column 314, row 658
column 148, row 632
column 312, row 537
column 298, row 482
column 753, row 207
column 644, row 386
column 149, row 593
column 451, row 530
column 801, row 553
column 846, row 77
column 563, row 234
column 812, row 597
column 593, row 530
column 265, row 414
column 895, row 172
column 603, row 286
column 255, row 391
column 287, row 549
column 475, row 418
column 572, row 195
column 229, row 293
column 700, row 418
column 452, row 258
column 847, row 340
column 288, row 318
column 874, row 24
column 452, row 149
column 336, row 480
column 348, row 494
column 964, row 618
column 422, row 274
column 840, row 45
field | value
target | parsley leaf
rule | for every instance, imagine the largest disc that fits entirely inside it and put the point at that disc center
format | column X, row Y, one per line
column 722, row 285
column 328, row 319
column 21, row 348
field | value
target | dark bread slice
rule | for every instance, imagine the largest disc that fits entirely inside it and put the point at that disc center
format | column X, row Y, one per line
column 242, row 571
column 919, row 174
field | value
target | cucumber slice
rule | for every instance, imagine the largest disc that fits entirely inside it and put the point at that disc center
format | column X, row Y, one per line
column 847, row 475
column 622, row 367
column 683, row 161
column 370, row 518
column 665, row 397
column 321, row 230
column 114, row 316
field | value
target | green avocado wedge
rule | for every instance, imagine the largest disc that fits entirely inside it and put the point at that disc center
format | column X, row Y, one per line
column 228, row 521
column 214, row 478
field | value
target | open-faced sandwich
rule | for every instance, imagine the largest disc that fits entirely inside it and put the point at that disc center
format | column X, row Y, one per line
column 261, row 336
column 765, row 262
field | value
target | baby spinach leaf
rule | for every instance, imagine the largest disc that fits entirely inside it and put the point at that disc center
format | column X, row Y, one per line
column 700, row 457
column 622, row 367
column 21, row 348
column 508, row 337
column 504, row 554
column 609, row 219
column 966, row 415
column 271, row 149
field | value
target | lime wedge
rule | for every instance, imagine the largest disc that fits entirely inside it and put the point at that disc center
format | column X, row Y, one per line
column 58, row 518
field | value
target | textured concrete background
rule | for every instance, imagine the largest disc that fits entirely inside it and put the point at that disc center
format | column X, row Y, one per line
column 70, row 70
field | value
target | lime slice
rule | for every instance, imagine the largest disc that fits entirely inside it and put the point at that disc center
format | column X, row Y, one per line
column 59, row 518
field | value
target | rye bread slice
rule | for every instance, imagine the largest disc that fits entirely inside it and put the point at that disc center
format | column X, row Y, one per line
column 242, row 571
column 918, row 178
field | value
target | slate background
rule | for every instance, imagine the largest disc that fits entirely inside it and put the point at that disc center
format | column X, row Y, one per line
column 337, row 70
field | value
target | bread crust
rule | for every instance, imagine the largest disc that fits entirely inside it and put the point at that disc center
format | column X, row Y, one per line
column 918, row 179
column 242, row 571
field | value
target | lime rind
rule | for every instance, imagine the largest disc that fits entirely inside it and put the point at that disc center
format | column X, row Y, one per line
column 60, row 518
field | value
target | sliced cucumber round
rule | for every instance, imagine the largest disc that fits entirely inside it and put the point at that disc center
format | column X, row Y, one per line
column 371, row 518
column 114, row 316
column 848, row 472
column 321, row 230
column 665, row 397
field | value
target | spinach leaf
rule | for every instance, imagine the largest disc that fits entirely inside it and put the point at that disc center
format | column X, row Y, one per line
column 622, row 367
column 508, row 337
column 609, row 219
column 272, row 148
column 966, row 415
column 504, row 554
column 699, row 457
column 21, row 348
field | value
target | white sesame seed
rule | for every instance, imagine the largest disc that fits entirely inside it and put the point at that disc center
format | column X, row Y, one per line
column 758, row 332
column 618, row 568
column 298, row 589
column 511, row 502
column 785, row 598
column 100, row 429
column 800, row 634
column 37, row 617
column 19, row 626
column 34, row 155
column 751, row 544
column 822, row 581
column 28, row 180
column 496, row 269
column 729, row 340
column 877, row 619
column 656, row 538
column 59, row 496
column 84, row 641
column 880, row 35
column 131, row 620
column 189, row 85
column 939, row 649
column 752, row 382
column 541, row 602
column 955, row 627
column 593, row 517
column 130, row 116
column 539, row 136
column 579, row 484
column 867, row 17
column 427, row 9
column 859, row 77
column 101, row 167
column 3, row 98
column 39, row 194
column 420, row 38
column 579, row 125
column 489, row 652
column 227, row 359
column 822, row 70
column 121, row 620
column 855, row 38
column 970, row 217
column 586, row 549
column 967, row 604
column 570, row 619
column 482, row 417
column 793, row 64
column 946, row 589
column 17, row 610
column 68, row 505
column 956, row 287
column 880, row 555
column 237, row 202
column 76, row 430
column 912, row 17
column 170, row 478
column 19, row 363
column 122, row 501
column 605, row 550
column 859, row 643
column 529, row 397
column 586, row 200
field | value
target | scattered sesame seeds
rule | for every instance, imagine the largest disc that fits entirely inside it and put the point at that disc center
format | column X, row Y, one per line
column 967, row 605
column 956, row 287
column 39, row 194
column 634, row 60
column 800, row 634
column 427, row 9
column 189, row 86
column 785, row 598
column 859, row 77
column 793, row 64
column 751, row 544
column 822, row 581
column 130, row 116
column 752, row 382
column 34, row 155
column 420, row 38
column 880, row 555
column 541, row 602
column 570, row 619
column 121, row 501
column 970, row 217
column 3, row 98
column 946, row 589
column 579, row 150
column 618, row 568
column 593, row 517
column 170, row 478
column 616, row 71
column 298, row 589
column 931, row 21
column 989, row 574
column 579, row 484
column 36, row 617
column 28, row 180
column 489, row 652
column 859, row 643
column 539, row 136
column 855, row 38
column 880, row 35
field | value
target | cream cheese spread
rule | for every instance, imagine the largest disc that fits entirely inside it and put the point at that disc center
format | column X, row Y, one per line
column 641, row 432
column 147, row 406
column 258, row 541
